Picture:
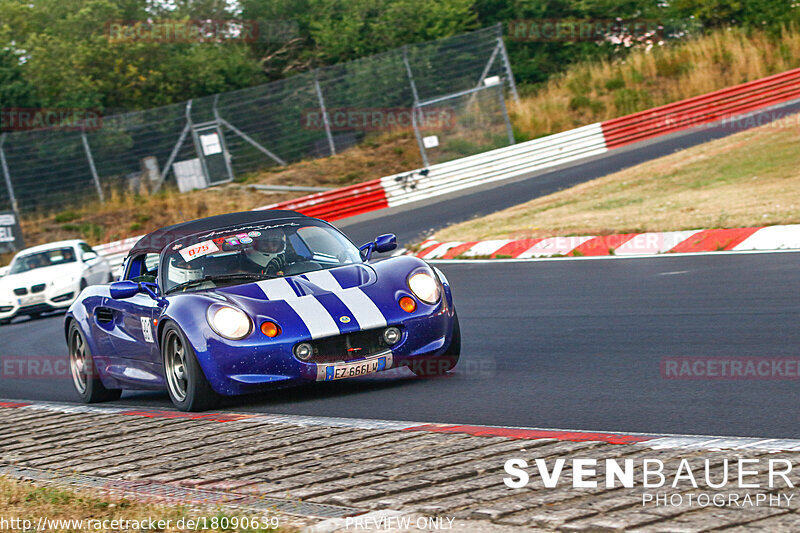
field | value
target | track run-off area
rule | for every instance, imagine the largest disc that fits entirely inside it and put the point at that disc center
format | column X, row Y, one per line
column 563, row 343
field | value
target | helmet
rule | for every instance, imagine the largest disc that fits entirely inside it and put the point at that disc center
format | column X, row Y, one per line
column 270, row 244
column 180, row 271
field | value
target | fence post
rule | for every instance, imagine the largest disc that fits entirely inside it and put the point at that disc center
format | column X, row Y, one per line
column 506, row 63
column 415, row 107
column 95, row 177
column 325, row 120
column 7, row 176
column 509, row 129
column 488, row 66
column 176, row 148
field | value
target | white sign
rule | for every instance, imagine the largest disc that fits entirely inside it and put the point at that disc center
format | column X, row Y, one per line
column 199, row 250
column 189, row 175
column 210, row 144
column 491, row 80
column 147, row 331
column 6, row 235
column 430, row 142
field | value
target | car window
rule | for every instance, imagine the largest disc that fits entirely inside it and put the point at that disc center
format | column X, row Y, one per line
column 56, row 256
column 240, row 254
column 143, row 268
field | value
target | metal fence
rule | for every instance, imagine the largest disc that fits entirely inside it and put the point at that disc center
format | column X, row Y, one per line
column 205, row 141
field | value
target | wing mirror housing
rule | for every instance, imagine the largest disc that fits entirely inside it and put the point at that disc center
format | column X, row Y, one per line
column 89, row 256
column 385, row 243
column 381, row 244
column 120, row 290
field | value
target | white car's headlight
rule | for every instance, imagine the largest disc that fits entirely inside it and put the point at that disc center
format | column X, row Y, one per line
column 424, row 287
column 229, row 322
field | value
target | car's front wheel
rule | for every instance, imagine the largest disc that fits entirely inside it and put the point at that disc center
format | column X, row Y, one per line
column 438, row 366
column 188, row 387
column 81, row 366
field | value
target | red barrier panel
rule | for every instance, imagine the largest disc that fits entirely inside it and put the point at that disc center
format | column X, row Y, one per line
column 340, row 203
column 711, row 107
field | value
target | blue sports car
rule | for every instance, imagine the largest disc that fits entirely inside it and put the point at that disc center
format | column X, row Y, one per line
column 246, row 302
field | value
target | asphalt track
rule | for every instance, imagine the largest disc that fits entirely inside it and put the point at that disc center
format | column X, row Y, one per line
column 572, row 344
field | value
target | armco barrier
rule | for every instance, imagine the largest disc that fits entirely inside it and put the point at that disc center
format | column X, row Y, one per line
column 339, row 203
column 703, row 109
column 546, row 152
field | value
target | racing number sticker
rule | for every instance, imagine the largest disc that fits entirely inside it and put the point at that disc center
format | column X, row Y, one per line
column 146, row 329
column 199, row 250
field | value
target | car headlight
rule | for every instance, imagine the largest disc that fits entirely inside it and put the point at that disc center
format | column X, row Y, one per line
column 424, row 287
column 229, row 322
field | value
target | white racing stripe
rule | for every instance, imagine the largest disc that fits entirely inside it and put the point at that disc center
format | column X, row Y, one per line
column 360, row 305
column 317, row 319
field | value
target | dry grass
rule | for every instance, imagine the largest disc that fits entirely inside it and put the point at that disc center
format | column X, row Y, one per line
column 24, row 501
column 599, row 91
column 751, row 178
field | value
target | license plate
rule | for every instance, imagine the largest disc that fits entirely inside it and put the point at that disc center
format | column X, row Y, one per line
column 333, row 371
column 32, row 299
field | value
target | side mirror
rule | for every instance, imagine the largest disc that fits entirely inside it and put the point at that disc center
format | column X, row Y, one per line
column 385, row 243
column 382, row 243
column 89, row 256
column 120, row 290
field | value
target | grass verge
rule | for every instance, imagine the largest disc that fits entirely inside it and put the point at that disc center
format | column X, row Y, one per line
column 602, row 90
column 68, row 510
column 751, row 178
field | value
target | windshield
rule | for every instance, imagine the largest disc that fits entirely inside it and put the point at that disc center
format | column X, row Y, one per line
column 58, row 256
column 247, row 253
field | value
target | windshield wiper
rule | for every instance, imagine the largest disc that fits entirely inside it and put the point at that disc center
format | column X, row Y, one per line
column 219, row 277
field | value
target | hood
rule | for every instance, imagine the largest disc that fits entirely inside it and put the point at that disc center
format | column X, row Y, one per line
column 40, row 275
column 314, row 283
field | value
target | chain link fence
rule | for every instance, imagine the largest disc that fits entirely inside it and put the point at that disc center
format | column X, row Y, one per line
column 210, row 140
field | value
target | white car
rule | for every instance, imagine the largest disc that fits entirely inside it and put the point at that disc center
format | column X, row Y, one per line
column 49, row 277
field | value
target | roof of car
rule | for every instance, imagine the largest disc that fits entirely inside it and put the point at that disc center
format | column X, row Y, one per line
column 49, row 246
column 156, row 241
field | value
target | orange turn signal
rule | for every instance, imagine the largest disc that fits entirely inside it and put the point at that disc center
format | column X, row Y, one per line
column 408, row 304
column 270, row 329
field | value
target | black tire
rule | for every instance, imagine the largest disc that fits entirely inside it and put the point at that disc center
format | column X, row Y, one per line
column 83, row 284
column 5, row 321
column 84, row 376
column 111, row 278
column 187, row 385
column 438, row 366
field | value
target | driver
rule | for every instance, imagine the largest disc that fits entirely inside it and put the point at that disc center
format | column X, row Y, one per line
column 269, row 252
column 181, row 271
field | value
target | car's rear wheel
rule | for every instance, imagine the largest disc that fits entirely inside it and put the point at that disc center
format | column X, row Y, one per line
column 188, row 387
column 438, row 366
column 5, row 321
column 81, row 366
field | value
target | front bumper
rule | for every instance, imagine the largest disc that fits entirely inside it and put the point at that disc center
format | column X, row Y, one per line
column 234, row 369
column 31, row 304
